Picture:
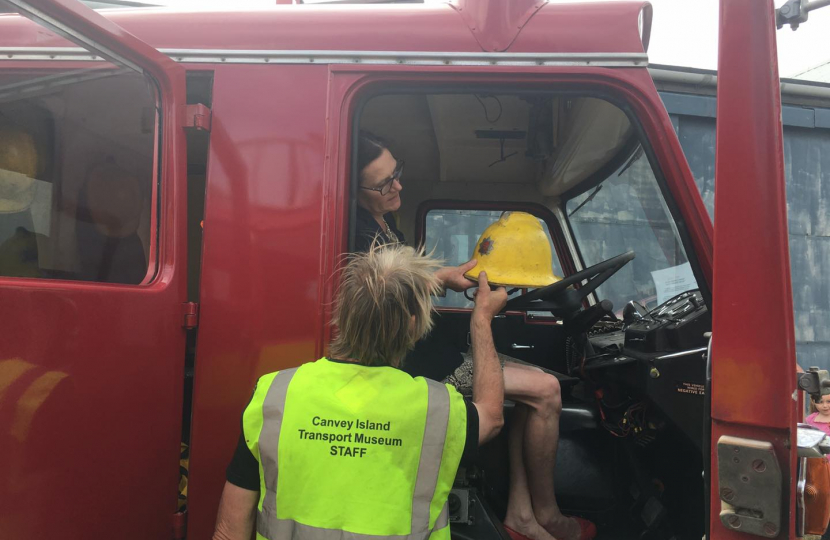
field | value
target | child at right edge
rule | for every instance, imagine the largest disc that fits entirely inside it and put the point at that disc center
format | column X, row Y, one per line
column 821, row 418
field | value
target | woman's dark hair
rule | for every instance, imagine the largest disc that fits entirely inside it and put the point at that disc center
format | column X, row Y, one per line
column 369, row 148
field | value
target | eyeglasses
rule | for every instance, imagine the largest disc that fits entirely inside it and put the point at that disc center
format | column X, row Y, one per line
column 386, row 185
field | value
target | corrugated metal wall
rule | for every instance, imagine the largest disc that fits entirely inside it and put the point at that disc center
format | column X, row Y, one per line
column 807, row 166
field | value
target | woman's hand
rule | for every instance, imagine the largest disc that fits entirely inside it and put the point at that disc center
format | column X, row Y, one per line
column 452, row 277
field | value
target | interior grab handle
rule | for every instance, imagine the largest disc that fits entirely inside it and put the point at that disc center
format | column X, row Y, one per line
column 517, row 346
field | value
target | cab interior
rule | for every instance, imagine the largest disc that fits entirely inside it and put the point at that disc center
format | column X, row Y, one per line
column 624, row 335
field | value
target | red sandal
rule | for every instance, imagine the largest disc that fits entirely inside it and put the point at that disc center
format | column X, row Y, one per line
column 587, row 530
column 515, row 535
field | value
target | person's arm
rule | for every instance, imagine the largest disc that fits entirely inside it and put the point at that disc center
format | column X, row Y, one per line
column 237, row 513
column 488, row 380
column 452, row 277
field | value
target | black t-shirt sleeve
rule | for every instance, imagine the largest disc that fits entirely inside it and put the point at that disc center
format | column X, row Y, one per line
column 243, row 470
column 471, row 443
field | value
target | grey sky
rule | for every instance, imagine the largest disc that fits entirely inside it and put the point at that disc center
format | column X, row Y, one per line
column 685, row 33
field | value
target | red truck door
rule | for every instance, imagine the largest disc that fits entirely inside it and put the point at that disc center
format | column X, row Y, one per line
column 753, row 349
column 92, row 279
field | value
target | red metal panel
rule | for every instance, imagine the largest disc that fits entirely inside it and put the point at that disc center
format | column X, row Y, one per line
column 753, row 348
column 496, row 24
column 263, row 237
column 276, row 222
column 590, row 27
column 91, row 375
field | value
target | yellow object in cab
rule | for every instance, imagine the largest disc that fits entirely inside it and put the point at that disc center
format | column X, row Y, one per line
column 18, row 167
column 515, row 252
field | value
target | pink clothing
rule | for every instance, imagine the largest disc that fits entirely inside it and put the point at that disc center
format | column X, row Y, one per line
column 824, row 426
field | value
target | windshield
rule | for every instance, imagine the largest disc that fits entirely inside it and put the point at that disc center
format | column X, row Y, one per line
column 451, row 236
column 626, row 212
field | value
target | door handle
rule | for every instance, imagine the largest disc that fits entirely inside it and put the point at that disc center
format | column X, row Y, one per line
column 517, row 346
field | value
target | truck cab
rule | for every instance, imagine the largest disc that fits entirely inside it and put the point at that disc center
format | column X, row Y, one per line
column 182, row 200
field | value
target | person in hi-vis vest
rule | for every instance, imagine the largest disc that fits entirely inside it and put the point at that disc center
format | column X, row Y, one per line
column 350, row 446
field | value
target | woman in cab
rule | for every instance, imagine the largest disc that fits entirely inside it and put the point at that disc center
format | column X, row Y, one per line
column 532, row 510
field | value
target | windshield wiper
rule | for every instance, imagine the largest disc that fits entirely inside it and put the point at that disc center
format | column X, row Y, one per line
column 586, row 201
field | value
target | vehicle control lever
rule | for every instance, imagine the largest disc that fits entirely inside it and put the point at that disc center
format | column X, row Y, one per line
column 633, row 312
column 587, row 318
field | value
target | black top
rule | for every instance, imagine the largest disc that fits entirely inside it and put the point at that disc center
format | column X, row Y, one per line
column 435, row 356
column 367, row 229
column 243, row 470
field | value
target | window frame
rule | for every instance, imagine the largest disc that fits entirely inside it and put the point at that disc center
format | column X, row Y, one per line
column 153, row 186
column 391, row 87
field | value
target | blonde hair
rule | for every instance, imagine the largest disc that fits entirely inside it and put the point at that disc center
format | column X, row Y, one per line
column 380, row 291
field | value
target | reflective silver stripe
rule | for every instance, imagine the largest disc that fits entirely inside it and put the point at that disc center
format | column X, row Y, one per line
column 443, row 518
column 432, row 450
column 406, row 58
column 269, row 440
column 286, row 529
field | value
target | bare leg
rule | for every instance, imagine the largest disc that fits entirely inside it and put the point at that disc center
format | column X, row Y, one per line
column 541, row 393
column 520, row 516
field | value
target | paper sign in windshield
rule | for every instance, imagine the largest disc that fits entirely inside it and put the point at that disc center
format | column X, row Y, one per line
column 670, row 282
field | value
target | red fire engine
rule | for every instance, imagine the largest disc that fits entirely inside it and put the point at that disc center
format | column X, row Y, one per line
column 177, row 191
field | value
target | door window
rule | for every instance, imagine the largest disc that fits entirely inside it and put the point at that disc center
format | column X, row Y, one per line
column 451, row 235
column 78, row 155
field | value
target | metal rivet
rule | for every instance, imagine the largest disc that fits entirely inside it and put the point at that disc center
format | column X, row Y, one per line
column 744, row 479
column 734, row 521
column 770, row 529
column 736, row 460
column 727, row 494
column 759, row 466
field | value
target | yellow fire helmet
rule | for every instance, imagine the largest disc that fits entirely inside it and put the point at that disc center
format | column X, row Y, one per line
column 515, row 252
column 18, row 167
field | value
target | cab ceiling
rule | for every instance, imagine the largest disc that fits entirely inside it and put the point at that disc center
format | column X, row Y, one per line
column 485, row 147
column 522, row 147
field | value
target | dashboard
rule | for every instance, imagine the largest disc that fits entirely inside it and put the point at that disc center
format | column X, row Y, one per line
column 657, row 355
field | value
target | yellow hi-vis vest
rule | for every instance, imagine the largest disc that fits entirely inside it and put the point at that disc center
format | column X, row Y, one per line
column 352, row 452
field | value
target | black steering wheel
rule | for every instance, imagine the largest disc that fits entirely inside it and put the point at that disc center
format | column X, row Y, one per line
column 563, row 300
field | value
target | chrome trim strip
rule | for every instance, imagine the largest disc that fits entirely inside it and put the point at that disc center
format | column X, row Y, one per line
column 800, row 502
column 683, row 353
column 29, row 11
column 229, row 56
